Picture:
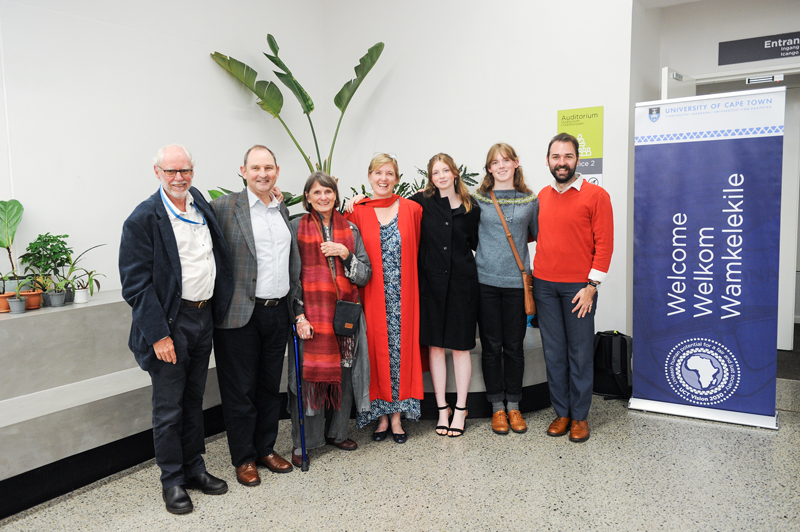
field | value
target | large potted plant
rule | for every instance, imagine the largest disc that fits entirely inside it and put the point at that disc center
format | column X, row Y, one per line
column 10, row 217
column 43, row 258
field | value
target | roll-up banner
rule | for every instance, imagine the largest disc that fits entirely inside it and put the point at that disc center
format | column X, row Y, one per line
column 706, row 241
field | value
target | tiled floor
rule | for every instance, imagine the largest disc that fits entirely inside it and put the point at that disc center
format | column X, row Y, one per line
column 638, row 471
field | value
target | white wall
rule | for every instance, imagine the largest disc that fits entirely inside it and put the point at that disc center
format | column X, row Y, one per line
column 691, row 33
column 93, row 89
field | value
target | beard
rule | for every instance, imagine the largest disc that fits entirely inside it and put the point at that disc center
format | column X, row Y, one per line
column 562, row 180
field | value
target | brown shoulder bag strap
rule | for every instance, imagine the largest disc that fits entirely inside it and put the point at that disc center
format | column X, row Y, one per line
column 508, row 233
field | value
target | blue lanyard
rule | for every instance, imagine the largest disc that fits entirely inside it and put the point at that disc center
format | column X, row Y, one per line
column 178, row 216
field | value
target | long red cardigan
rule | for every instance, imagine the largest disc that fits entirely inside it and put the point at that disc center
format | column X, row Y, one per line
column 374, row 299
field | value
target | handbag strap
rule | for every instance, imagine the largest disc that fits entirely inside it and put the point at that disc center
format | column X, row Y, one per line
column 319, row 227
column 508, row 233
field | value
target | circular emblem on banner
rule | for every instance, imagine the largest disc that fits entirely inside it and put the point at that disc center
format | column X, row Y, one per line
column 702, row 371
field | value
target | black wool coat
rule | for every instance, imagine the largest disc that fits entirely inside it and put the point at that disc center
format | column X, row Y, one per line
column 448, row 278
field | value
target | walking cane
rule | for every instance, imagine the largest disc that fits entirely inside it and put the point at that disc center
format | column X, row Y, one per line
column 304, row 466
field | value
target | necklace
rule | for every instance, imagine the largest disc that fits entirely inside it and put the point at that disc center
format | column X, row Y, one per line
column 513, row 209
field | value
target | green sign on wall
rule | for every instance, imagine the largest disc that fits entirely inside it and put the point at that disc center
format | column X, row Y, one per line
column 586, row 124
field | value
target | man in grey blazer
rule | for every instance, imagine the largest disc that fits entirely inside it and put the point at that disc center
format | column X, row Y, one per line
column 250, row 341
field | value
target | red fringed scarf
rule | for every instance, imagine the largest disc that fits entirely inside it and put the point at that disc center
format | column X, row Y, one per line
column 322, row 361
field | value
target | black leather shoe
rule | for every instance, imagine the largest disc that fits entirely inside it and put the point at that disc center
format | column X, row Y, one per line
column 380, row 436
column 400, row 438
column 177, row 500
column 207, row 483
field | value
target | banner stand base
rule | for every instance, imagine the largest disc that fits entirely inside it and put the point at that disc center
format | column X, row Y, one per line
column 710, row 414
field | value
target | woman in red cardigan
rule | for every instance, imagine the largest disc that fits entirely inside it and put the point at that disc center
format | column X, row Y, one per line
column 390, row 228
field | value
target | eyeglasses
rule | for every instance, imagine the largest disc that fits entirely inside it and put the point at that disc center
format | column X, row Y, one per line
column 185, row 172
column 391, row 156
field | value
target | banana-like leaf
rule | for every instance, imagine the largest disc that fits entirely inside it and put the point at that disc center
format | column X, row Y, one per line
column 273, row 44
column 217, row 192
column 10, row 217
column 365, row 64
column 271, row 99
column 288, row 78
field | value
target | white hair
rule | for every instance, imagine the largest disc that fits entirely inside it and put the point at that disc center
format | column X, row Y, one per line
column 159, row 158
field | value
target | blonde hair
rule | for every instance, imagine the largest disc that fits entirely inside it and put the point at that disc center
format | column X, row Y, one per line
column 461, row 189
column 488, row 179
column 381, row 159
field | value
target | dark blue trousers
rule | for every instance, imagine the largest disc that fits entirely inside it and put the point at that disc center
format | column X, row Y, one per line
column 568, row 343
column 249, row 367
column 178, row 431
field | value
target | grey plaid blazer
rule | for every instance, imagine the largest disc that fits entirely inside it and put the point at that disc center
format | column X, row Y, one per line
column 233, row 214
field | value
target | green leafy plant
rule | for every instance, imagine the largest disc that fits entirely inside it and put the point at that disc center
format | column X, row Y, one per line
column 271, row 98
column 46, row 255
column 24, row 283
column 10, row 217
column 77, row 277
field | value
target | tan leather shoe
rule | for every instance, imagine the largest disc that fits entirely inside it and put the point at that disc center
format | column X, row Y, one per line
column 275, row 463
column 559, row 426
column 579, row 431
column 516, row 421
column 247, row 474
column 500, row 422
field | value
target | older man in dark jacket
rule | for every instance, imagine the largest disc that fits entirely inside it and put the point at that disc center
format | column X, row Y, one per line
column 176, row 275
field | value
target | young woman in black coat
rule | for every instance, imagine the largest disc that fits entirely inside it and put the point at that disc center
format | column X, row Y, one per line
column 448, row 284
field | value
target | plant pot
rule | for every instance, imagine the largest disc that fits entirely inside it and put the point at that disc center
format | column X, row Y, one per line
column 34, row 299
column 46, row 298
column 17, row 305
column 57, row 299
column 11, row 285
column 70, row 295
column 4, row 301
column 82, row 296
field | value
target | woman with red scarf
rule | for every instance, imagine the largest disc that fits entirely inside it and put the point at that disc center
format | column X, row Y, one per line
column 390, row 226
column 335, row 369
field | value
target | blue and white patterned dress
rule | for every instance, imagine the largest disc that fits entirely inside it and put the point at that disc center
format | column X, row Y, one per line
column 390, row 256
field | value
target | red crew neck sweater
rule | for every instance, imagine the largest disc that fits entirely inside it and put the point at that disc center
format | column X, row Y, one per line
column 576, row 234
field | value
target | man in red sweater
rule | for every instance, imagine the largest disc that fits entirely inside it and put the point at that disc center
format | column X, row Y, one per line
column 573, row 253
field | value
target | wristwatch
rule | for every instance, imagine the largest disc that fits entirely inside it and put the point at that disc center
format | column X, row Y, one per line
column 595, row 284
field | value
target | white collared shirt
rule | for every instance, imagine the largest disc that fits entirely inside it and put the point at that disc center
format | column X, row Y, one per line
column 273, row 243
column 195, row 249
column 575, row 184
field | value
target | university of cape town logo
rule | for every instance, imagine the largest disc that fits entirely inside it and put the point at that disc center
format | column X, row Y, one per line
column 655, row 113
column 702, row 371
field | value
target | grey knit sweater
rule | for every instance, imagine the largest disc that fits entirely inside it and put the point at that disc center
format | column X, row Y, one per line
column 494, row 258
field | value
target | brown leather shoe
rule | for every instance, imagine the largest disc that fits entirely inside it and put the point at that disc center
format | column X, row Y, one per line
column 346, row 445
column 247, row 474
column 579, row 431
column 500, row 422
column 297, row 459
column 275, row 463
column 516, row 421
column 559, row 426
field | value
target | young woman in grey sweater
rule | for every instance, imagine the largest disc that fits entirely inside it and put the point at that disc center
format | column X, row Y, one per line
column 501, row 319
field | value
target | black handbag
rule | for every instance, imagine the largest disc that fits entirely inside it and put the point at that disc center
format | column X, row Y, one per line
column 345, row 318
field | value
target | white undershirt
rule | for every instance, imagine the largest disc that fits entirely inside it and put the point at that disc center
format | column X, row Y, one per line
column 196, row 251
column 273, row 243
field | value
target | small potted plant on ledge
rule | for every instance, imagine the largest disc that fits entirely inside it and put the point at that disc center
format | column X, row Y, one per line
column 58, row 296
column 18, row 302
column 80, row 279
column 10, row 217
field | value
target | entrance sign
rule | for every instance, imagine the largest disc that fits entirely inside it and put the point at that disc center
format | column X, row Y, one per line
column 706, row 243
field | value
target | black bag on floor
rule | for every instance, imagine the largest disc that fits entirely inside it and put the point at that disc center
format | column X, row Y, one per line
column 613, row 370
